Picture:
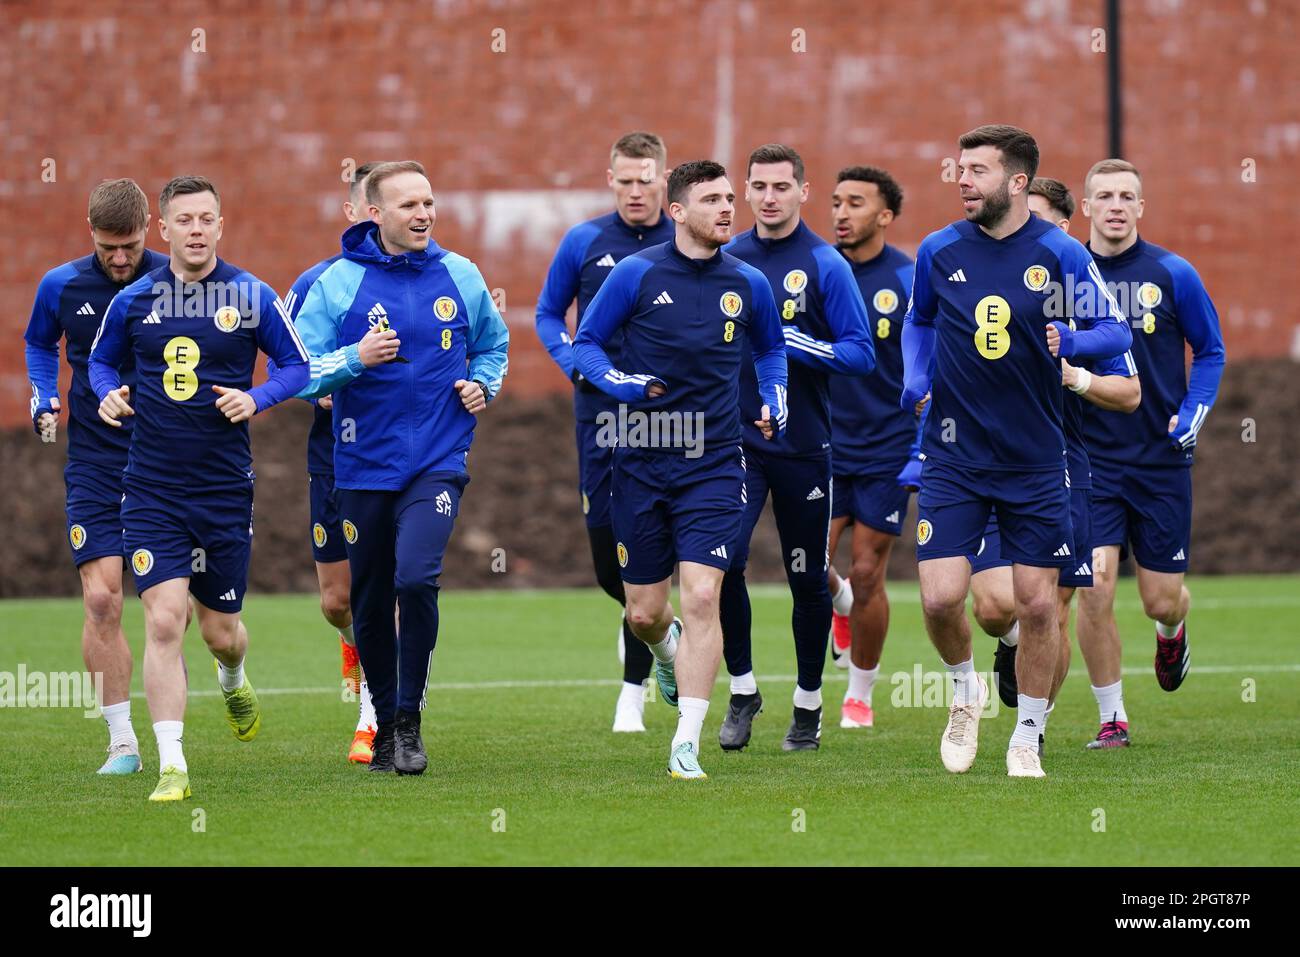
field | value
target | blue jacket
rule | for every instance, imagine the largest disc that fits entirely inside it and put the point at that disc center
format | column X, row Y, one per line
column 401, row 420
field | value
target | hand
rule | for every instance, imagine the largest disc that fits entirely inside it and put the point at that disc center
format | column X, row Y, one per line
column 47, row 423
column 114, row 406
column 765, row 424
column 910, row 477
column 1173, row 424
column 914, row 398
column 1060, row 339
column 472, row 396
column 378, row 346
column 1069, row 374
column 922, row 402
column 237, row 406
column 655, row 389
column 325, row 402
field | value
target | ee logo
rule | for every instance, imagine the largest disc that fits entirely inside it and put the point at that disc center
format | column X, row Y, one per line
column 180, row 381
column 992, row 338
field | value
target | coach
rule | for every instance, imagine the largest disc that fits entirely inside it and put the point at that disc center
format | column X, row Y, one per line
column 408, row 339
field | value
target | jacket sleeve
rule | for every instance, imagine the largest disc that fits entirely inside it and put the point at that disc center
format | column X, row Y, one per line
column 851, row 352
column 489, row 340
column 768, row 344
column 611, row 308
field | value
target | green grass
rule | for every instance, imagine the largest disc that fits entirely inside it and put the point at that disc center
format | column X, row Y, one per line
column 1210, row 779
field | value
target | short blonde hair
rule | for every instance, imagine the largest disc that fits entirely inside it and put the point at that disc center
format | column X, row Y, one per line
column 1110, row 166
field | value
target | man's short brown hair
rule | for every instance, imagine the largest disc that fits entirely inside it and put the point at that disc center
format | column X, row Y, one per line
column 1019, row 149
column 1056, row 193
column 119, row 207
column 777, row 153
column 186, row 186
column 383, row 171
column 640, row 145
column 1109, row 166
column 359, row 176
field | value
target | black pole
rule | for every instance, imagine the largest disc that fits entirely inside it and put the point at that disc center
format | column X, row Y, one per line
column 1114, row 98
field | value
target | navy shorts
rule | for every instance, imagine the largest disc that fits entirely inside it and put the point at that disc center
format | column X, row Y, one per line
column 205, row 536
column 327, row 543
column 595, row 469
column 94, row 512
column 801, row 491
column 989, row 554
column 1149, row 509
column 1033, row 510
column 667, row 508
column 1079, row 575
column 878, row 503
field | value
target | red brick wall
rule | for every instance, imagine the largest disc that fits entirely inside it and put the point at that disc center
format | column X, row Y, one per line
column 515, row 141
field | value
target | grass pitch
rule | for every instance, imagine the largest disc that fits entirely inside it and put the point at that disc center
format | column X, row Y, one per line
column 524, row 769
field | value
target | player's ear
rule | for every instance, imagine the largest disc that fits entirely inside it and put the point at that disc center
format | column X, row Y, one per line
column 677, row 211
column 609, row 178
column 886, row 217
column 1142, row 205
column 803, row 192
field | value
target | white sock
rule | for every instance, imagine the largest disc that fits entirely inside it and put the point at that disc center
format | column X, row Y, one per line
column 1168, row 631
column 744, row 684
column 965, row 683
column 1047, row 714
column 842, row 600
column 1029, row 722
column 346, row 634
column 231, row 679
column 808, row 700
column 120, row 731
column 690, row 722
column 861, row 682
column 367, row 718
column 1012, row 637
column 632, row 695
column 168, row 734
column 666, row 650
column 1110, row 702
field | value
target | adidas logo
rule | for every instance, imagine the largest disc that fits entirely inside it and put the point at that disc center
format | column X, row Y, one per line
column 86, row 310
column 376, row 313
column 152, row 319
column 443, row 503
column 1180, row 557
column 1083, row 569
column 663, row 299
column 229, row 596
column 892, row 517
column 1028, row 723
column 1062, row 552
column 815, row 494
column 719, row 552
column 605, row 260
column 958, row 276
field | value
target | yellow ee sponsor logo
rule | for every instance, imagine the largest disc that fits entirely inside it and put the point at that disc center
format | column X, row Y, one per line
column 77, row 537
column 180, row 381
column 226, row 319
column 886, row 301
column 444, row 307
column 349, row 532
column 318, row 535
column 796, row 280
column 1036, row 278
column 622, row 555
column 923, row 531
column 731, row 304
column 992, row 338
column 586, row 504
column 1149, row 295
column 142, row 561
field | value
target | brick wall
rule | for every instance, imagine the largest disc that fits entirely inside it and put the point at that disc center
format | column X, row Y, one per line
column 282, row 93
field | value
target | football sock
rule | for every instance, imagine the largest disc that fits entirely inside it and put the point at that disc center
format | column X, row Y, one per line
column 842, row 600
column 631, row 696
column 808, row 700
column 1012, row 637
column 744, row 684
column 637, row 660
column 965, row 683
column 168, row 734
column 690, row 722
column 232, row 679
column 367, row 717
column 1047, row 714
column 1110, row 702
column 861, row 682
column 1029, row 722
column 1168, row 631
column 346, row 634
column 666, row 650
column 120, row 731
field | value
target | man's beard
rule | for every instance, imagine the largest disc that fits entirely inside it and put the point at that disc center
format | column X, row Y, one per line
column 704, row 235
column 864, row 237
column 112, row 273
column 995, row 207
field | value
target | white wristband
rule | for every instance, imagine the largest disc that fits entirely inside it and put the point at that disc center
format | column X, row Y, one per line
column 1083, row 383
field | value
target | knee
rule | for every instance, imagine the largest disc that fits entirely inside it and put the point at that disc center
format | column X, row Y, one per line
column 220, row 633
column 411, row 582
column 642, row 616
column 1160, row 606
column 336, row 605
column 1039, row 609
column 867, row 576
column 700, row 599
column 103, row 604
column 994, row 614
column 166, row 624
column 942, row 605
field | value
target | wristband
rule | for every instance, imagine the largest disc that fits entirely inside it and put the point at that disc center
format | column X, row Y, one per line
column 1084, row 382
